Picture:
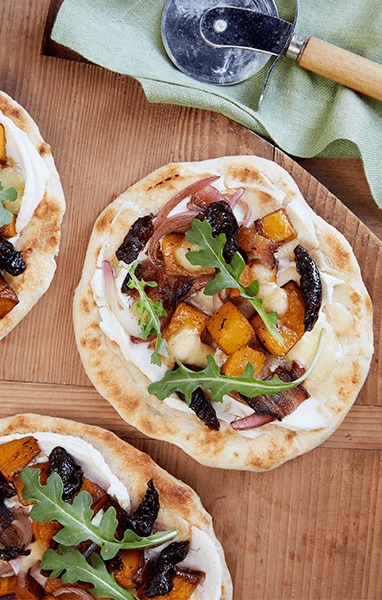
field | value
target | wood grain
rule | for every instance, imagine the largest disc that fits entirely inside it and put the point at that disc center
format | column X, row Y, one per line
column 311, row 529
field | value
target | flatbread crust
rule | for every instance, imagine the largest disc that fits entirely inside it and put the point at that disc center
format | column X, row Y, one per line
column 347, row 317
column 180, row 506
column 39, row 240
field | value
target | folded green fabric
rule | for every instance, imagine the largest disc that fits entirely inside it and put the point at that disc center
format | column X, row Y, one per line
column 303, row 113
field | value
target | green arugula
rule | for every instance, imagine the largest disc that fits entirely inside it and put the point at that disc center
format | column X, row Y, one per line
column 76, row 518
column 10, row 194
column 210, row 255
column 77, row 568
column 186, row 381
column 150, row 312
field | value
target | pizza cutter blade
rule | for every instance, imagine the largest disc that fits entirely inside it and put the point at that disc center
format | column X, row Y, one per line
column 197, row 58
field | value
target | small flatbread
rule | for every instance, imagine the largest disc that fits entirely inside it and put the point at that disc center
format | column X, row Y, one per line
column 346, row 314
column 180, row 507
column 41, row 211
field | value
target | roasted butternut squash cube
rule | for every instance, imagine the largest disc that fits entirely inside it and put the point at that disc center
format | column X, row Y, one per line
column 185, row 583
column 8, row 297
column 255, row 271
column 276, row 226
column 17, row 454
column 46, row 531
column 100, row 497
column 9, row 230
column 229, row 328
column 8, row 585
column 290, row 324
column 186, row 317
column 237, row 361
column 174, row 248
column 3, row 154
column 30, row 590
column 131, row 576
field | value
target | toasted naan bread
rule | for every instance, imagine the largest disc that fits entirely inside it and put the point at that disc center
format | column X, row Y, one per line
column 38, row 237
column 180, row 507
column 346, row 314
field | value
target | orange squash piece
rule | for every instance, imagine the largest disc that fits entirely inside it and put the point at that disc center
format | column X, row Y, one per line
column 131, row 576
column 100, row 497
column 8, row 297
column 31, row 589
column 185, row 583
column 237, row 361
column 16, row 455
column 3, row 154
column 229, row 328
column 290, row 325
column 52, row 585
column 186, row 317
column 46, row 531
column 276, row 226
column 175, row 246
column 8, row 585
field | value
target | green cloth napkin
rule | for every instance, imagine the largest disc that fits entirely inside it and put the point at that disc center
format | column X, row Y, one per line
column 303, row 113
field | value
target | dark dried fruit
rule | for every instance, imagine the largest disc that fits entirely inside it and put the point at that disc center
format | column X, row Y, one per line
column 203, row 408
column 161, row 576
column 136, row 239
column 222, row 220
column 6, row 517
column 6, row 489
column 12, row 552
column 310, row 286
column 11, row 260
column 70, row 472
column 144, row 517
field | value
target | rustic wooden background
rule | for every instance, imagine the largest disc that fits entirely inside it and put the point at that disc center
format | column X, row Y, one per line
column 311, row 529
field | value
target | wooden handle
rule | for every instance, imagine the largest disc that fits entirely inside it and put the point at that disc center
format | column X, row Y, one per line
column 346, row 68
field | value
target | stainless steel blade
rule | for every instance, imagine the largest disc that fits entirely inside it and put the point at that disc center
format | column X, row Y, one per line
column 228, row 26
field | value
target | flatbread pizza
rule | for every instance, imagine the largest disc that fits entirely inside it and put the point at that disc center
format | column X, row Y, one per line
column 84, row 513
column 218, row 312
column 31, row 208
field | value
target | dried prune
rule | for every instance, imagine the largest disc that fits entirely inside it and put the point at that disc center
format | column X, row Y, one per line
column 11, row 260
column 203, row 408
column 70, row 472
column 144, row 517
column 12, row 552
column 6, row 517
column 310, row 286
column 163, row 571
column 222, row 220
column 136, row 239
column 6, row 489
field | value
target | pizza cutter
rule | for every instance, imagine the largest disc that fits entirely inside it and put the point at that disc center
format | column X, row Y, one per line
column 222, row 44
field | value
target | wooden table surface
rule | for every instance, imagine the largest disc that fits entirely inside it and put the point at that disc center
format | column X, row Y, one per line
column 311, row 529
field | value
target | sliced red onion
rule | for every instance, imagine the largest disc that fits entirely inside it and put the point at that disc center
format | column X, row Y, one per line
column 205, row 197
column 236, row 197
column 123, row 315
column 73, row 590
column 18, row 533
column 178, row 224
column 251, row 422
column 175, row 200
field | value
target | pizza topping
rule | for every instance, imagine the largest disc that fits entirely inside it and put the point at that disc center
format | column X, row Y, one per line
column 11, row 260
column 163, row 571
column 310, row 286
column 222, row 221
column 136, row 239
column 202, row 407
column 6, row 195
column 144, row 517
column 69, row 471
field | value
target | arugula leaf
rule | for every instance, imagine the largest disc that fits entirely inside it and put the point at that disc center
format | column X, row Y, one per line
column 150, row 312
column 10, row 194
column 186, row 381
column 77, row 568
column 210, row 255
column 76, row 517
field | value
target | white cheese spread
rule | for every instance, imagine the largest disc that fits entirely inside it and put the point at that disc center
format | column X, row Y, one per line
column 30, row 166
